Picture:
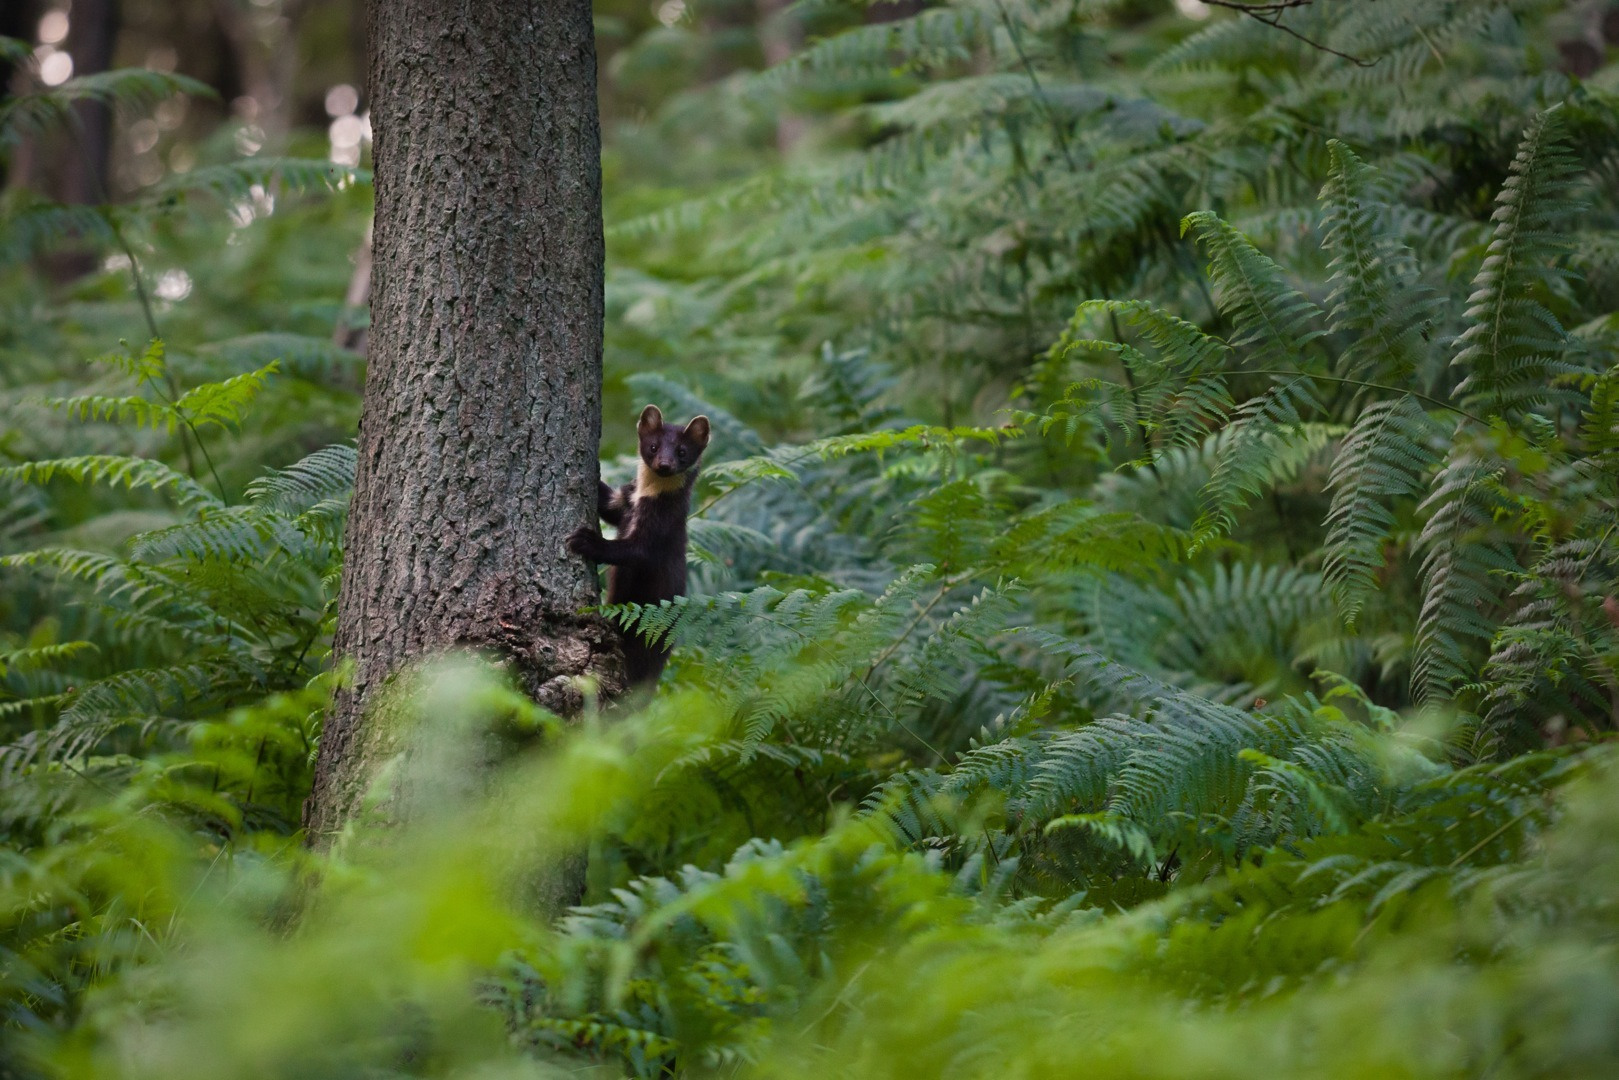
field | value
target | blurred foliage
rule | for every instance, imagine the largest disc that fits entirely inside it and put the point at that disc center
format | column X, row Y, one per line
column 1154, row 590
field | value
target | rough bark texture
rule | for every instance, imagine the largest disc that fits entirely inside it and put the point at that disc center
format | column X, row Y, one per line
column 482, row 408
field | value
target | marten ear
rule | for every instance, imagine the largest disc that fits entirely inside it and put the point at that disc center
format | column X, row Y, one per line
column 651, row 420
column 697, row 430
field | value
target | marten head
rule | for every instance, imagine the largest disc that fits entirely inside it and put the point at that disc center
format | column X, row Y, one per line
column 670, row 449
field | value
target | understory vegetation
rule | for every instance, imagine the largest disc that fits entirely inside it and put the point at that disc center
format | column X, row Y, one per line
column 1155, row 598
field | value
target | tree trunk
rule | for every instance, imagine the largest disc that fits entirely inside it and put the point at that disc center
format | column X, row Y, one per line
column 264, row 54
column 781, row 35
column 92, row 34
column 482, row 408
column 19, row 20
column 81, row 172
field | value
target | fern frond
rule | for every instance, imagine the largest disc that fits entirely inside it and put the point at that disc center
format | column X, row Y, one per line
column 1462, row 574
column 1265, row 433
column 43, row 655
column 929, row 37
column 1386, row 456
column 131, row 472
column 1377, row 292
column 1274, row 320
column 234, row 534
column 135, row 88
column 145, row 366
column 236, row 181
column 1513, row 344
column 221, row 404
column 325, row 475
column 142, row 412
column 40, row 227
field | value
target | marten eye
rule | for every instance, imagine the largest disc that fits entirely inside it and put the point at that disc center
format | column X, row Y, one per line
column 681, row 453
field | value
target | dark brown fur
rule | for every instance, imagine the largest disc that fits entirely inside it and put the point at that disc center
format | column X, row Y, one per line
column 647, row 563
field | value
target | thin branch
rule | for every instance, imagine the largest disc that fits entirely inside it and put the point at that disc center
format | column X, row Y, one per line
column 1372, row 386
column 1257, row 10
column 1271, row 15
column 949, row 583
column 1135, row 400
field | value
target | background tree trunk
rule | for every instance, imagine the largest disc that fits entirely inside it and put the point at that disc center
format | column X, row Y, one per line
column 482, row 408
column 781, row 35
column 92, row 36
column 264, row 52
column 82, row 162
column 18, row 19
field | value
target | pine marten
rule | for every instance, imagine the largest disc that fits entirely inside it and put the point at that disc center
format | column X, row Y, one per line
column 647, row 563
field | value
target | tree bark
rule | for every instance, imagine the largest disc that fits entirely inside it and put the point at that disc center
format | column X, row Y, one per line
column 482, row 410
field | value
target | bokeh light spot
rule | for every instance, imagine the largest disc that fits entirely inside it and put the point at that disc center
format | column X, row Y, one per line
column 53, row 28
column 55, row 68
column 341, row 100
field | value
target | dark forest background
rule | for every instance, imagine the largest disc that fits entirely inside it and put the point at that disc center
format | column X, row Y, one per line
column 1155, row 599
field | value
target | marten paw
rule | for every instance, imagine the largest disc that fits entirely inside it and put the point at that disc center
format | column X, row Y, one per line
column 583, row 541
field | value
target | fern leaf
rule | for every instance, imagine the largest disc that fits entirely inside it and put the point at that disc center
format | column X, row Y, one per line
column 222, row 403
column 323, row 476
column 135, row 88
column 1377, row 292
column 1386, row 456
column 131, row 472
column 238, row 180
column 1462, row 573
column 139, row 411
column 1263, row 432
column 1274, row 320
column 1513, row 344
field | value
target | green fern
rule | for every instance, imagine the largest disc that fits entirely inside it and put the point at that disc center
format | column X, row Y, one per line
column 1462, row 573
column 1513, row 345
column 43, row 110
column 1386, row 456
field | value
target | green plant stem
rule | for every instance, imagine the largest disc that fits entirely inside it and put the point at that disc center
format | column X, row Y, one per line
column 1039, row 92
column 173, row 396
column 1135, row 401
column 151, row 319
column 944, row 590
column 1419, row 395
